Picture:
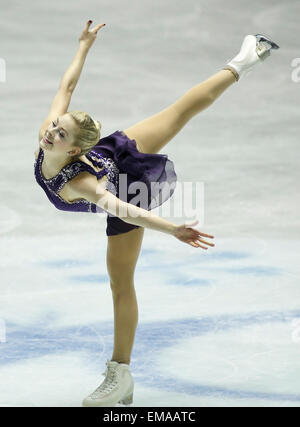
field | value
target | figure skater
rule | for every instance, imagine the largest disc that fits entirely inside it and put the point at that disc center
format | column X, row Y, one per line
column 80, row 172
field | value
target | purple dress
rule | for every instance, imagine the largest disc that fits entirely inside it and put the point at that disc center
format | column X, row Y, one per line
column 125, row 166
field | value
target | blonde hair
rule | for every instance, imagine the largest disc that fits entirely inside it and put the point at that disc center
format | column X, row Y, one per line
column 88, row 133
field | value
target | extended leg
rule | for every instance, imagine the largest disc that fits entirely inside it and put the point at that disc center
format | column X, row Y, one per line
column 204, row 94
column 153, row 133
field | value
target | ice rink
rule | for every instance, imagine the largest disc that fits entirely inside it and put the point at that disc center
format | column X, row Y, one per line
column 216, row 328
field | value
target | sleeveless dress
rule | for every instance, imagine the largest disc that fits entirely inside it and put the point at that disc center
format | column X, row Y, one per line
column 126, row 168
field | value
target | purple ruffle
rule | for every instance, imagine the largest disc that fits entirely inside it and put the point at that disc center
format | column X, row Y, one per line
column 144, row 167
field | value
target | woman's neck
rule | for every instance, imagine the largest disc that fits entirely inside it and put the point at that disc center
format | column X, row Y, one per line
column 55, row 163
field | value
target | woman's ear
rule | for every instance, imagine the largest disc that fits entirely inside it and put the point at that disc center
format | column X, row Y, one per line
column 75, row 152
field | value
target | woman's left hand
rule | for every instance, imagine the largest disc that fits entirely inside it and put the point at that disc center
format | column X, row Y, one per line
column 185, row 233
column 88, row 36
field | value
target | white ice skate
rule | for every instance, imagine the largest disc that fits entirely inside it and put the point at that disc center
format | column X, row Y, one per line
column 255, row 49
column 117, row 387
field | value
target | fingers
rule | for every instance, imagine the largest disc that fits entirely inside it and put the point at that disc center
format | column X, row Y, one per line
column 199, row 232
column 97, row 28
column 193, row 237
column 207, row 243
column 199, row 245
column 197, row 236
column 196, row 243
column 206, row 235
column 88, row 24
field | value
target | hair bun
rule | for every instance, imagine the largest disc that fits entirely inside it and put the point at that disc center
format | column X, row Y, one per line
column 97, row 124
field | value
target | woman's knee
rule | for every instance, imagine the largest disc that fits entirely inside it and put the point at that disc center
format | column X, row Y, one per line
column 121, row 287
column 122, row 256
column 121, row 272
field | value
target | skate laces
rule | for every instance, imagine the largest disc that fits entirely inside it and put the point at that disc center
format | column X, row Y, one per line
column 110, row 382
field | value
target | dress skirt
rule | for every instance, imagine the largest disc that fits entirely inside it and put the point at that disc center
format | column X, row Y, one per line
column 147, row 180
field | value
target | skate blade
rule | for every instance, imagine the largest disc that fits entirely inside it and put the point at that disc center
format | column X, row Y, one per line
column 127, row 401
column 263, row 38
column 123, row 406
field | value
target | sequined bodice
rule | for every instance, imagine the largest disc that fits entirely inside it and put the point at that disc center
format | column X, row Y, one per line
column 55, row 184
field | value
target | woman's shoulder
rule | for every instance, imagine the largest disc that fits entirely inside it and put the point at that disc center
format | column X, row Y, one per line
column 84, row 185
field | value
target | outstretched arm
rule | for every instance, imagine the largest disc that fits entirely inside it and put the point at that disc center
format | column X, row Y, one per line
column 87, row 38
column 144, row 218
column 86, row 186
column 70, row 78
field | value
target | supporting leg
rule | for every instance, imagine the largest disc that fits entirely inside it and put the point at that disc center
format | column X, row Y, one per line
column 122, row 255
column 153, row 133
column 125, row 324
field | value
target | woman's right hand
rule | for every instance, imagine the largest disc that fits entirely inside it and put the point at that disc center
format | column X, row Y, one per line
column 87, row 36
column 192, row 236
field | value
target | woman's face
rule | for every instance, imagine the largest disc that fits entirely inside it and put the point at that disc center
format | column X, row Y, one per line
column 60, row 135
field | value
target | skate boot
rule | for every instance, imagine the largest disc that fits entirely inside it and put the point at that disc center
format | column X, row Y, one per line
column 117, row 387
column 255, row 49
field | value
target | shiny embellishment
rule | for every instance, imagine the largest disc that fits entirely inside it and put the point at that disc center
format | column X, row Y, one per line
column 109, row 166
column 55, row 184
